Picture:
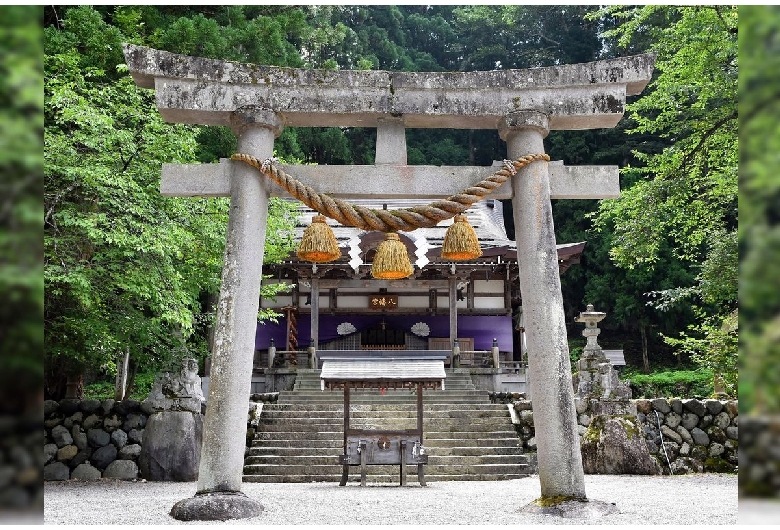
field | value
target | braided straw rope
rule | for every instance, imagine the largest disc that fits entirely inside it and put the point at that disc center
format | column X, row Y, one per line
column 406, row 219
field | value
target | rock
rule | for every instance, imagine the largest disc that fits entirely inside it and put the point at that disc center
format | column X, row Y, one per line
column 69, row 406
column 526, row 417
column 79, row 438
column 49, row 450
column 136, row 436
column 669, row 434
column 85, row 472
column 171, row 448
column 699, row 452
column 74, row 419
column 91, row 421
column 89, row 405
column 531, row 443
column 732, row 433
column 56, row 471
column 121, row 469
column 98, row 437
column 722, row 420
column 716, row 434
column 673, row 419
column 644, row 406
column 614, row 445
column 684, row 434
column 522, row 404
column 732, row 408
column 695, row 406
column 103, row 456
column 178, row 392
column 683, row 466
column 216, row 507
column 580, row 405
column 50, row 407
column 111, row 424
column 61, row 436
column 685, row 449
column 676, row 405
column 106, row 405
column 706, row 421
column 52, row 422
column 581, row 430
column 126, row 406
column 713, row 406
column 119, row 437
column 66, row 453
column 81, row 457
column 716, row 449
column 689, row 420
column 584, row 420
column 130, row 452
column 700, row 437
column 134, row 421
column 661, row 405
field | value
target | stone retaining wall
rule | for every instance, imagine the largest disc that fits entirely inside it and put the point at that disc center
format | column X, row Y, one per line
column 90, row 439
column 684, row 435
column 759, row 457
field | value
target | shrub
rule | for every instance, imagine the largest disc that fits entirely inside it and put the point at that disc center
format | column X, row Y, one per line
column 670, row 383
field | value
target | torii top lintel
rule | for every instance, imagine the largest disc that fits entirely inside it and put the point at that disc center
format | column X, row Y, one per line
column 204, row 91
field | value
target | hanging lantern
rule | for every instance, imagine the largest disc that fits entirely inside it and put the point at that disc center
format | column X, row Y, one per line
column 391, row 261
column 460, row 241
column 318, row 244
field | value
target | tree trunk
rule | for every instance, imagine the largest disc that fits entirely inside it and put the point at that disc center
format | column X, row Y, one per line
column 74, row 388
column 131, row 380
column 645, row 360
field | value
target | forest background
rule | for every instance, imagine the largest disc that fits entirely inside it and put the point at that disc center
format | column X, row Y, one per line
column 125, row 268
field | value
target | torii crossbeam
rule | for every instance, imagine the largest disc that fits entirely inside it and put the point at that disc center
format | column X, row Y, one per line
column 258, row 101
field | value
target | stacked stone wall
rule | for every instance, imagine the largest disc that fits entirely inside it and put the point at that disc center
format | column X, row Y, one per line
column 91, row 439
column 684, row 435
column 759, row 457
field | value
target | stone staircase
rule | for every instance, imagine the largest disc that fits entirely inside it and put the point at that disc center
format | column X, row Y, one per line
column 467, row 438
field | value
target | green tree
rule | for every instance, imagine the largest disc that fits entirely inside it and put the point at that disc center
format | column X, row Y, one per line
column 759, row 227
column 21, row 248
column 126, row 269
column 685, row 195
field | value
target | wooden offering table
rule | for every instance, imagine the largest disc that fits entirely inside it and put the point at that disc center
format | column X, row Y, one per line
column 364, row 447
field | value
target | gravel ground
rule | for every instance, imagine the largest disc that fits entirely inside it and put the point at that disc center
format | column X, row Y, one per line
column 704, row 499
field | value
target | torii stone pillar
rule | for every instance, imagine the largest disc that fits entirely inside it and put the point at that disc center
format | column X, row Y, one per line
column 557, row 442
column 220, row 475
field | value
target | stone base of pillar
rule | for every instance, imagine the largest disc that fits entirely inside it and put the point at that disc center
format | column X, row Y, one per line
column 217, row 506
column 571, row 508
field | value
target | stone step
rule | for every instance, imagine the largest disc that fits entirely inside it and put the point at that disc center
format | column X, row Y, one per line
column 433, row 439
column 433, row 460
column 380, row 400
column 338, row 415
column 387, row 423
column 373, row 478
column 432, row 409
column 337, row 448
column 335, row 469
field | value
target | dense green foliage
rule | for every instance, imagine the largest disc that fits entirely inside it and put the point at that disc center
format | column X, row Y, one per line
column 21, row 167
column 682, row 204
column 669, row 383
column 759, row 227
column 671, row 234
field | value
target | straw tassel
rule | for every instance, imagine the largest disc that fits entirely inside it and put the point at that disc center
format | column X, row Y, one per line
column 318, row 244
column 392, row 260
column 460, row 241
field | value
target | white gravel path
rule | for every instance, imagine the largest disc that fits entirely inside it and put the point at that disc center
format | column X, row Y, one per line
column 691, row 500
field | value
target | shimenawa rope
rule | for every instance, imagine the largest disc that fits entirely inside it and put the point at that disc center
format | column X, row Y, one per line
column 406, row 219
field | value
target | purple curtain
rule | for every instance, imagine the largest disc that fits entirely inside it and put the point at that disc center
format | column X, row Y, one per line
column 483, row 329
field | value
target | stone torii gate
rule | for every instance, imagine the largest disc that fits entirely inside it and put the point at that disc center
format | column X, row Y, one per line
column 258, row 101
